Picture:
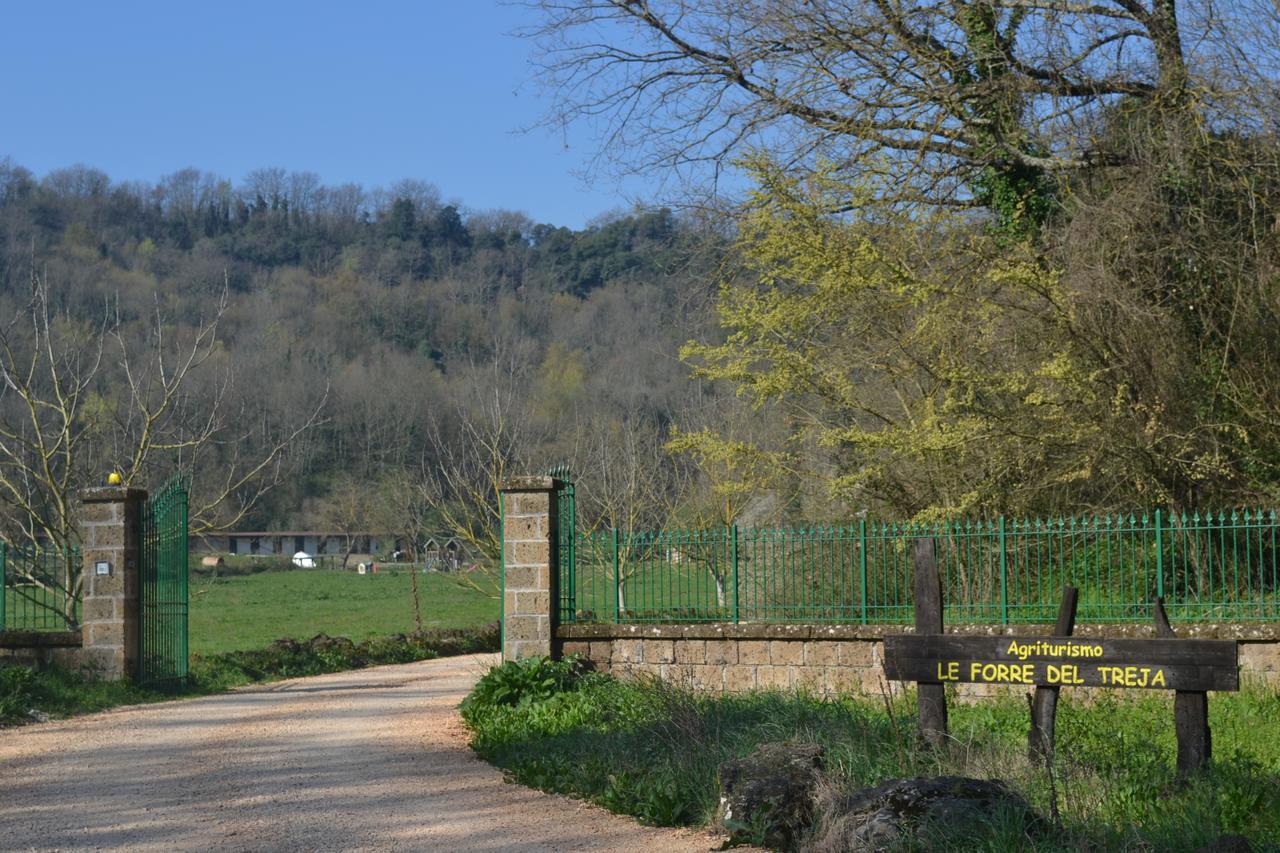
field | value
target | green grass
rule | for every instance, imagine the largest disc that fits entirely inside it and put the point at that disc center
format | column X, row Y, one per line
column 59, row 693
column 652, row 751
column 251, row 611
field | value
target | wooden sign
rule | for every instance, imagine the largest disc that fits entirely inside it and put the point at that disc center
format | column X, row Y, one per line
column 932, row 659
column 1064, row 662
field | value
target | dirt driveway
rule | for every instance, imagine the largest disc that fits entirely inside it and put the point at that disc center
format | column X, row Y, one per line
column 373, row 759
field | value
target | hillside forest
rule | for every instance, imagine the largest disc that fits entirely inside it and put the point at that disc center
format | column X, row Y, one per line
column 330, row 357
column 1018, row 281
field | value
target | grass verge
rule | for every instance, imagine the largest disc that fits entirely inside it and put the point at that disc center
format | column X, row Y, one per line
column 250, row 611
column 652, row 750
column 28, row 696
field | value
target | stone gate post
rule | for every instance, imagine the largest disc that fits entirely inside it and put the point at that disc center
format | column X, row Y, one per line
column 110, row 550
column 529, row 525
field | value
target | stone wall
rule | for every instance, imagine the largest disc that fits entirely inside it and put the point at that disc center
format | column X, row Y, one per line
column 835, row 659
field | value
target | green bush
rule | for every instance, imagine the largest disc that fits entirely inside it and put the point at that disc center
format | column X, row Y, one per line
column 17, row 692
column 521, row 683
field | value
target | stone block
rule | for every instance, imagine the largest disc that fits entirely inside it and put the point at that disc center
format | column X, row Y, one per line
column 527, row 628
column 601, row 651
column 722, row 651
column 109, row 536
column 659, row 651
column 707, row 677
column 691, row 651
column 108, row 634
column 740, row 678
column 842, row 679
column 628, row 651
column 623, row 671
column 651, row 671
column 96, row 512
column 532, row 603
column 786, row 652
column 875, row 684
column 98, row 609
column 1260, row 657
column 525, row 649
column 104, row 586
column 809, row 678
column 106, row 663
column 854, row 653
column 753, row 651
column 90, row 555
column 66, row 658
column 821, row 653
column 523, row 528
column 528, row 554
column 527, row 503
column 572, row 647
column 528, row 577
column 773, row 677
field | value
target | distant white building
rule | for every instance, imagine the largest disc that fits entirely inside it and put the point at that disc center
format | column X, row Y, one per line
column 289, row 542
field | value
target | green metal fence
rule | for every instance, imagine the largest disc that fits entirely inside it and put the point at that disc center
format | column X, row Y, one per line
column 163, row 586
column 38, row 588
column 1207, row 567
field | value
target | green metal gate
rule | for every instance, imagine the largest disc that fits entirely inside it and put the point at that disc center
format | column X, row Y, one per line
column 162, row 574
column 566, row 540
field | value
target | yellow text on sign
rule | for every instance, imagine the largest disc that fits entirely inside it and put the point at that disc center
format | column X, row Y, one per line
column 1132, row 676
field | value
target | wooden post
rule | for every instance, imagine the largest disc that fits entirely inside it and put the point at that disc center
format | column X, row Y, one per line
column 1190, row 714
column 932, row 700
column 1044, row 707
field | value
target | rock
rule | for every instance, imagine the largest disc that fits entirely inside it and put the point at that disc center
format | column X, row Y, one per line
column 323, row 642
column 767, row 797
column 891, row 814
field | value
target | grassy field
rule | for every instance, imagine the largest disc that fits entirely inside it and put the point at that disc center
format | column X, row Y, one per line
column 251, row 611
column 652, row 750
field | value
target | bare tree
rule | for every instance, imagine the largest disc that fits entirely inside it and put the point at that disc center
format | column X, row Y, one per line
column 79, row 400
column 627, row 482
column 476, row 446
column 952, row 101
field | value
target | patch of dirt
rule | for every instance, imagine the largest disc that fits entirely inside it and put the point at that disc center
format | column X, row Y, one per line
column 373, row 759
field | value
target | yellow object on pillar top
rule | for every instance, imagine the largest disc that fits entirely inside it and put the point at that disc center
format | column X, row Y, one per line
column 114, row 478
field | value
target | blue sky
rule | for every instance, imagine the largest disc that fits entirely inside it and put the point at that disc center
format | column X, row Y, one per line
column 365, row 92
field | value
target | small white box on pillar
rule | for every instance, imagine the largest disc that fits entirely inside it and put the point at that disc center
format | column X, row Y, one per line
column 102, row 567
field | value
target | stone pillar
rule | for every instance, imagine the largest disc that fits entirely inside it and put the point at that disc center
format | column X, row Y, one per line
column 529, row 567
column 109, row 533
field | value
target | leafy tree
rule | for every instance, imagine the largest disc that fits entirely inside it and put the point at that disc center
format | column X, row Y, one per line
column 913, row 357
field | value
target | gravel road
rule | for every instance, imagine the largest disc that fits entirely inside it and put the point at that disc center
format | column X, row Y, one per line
column 373, row 759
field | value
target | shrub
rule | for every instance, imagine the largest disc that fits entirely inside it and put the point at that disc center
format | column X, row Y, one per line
column 521, row 683
column 17, row 692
